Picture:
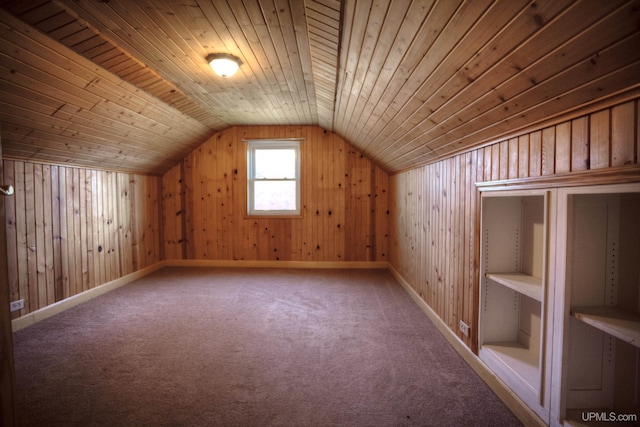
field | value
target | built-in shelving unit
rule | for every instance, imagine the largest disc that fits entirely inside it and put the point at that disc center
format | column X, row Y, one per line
column 513, row 302
column 597, row 360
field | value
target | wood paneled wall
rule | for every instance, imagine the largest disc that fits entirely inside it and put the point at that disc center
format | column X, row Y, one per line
column 72, row 229
column 344, row 203
column 435, row 209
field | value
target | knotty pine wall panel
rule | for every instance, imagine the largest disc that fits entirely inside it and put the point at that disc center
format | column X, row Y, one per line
column 435, row 209
column 72, row 229
column 344, row 203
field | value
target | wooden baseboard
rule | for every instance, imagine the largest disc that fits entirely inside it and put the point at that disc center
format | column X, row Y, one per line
column 511, row 400
column 275, row 264
column 65, row 304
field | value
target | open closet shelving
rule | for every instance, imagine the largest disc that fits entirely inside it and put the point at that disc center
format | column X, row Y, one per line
column 513, row 297
column 596, row 346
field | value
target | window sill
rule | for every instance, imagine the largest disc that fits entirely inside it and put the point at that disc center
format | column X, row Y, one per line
column 273, row 216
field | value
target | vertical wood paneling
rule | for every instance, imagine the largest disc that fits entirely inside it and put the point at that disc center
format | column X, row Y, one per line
column 87, row 211
column 563, row 147
column 78, row 275
column 11, row 234
column 580, row 144
column 504, row 159
column 21, row 233
column 58, row 225
column 98, row 226
column 495, row 162
column 622, row 134
column 535, row 153
column 40, row 297
column 31, row 286
column 599, row 141
column 47, row 196
column 124, row 233
column 513, row 163
column 523, row 156
column 487, row 163
column 549, row 151
column 57, row 233
column 85, row 242
column 172, row 221
column 344, row 202
column 443, row 266
column 64, row 234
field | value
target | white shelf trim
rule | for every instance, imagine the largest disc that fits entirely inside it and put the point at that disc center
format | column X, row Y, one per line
column 523, row 362
column 615, row 321
column 528, row 285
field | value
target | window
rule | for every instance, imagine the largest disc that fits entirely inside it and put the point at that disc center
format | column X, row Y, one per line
column 273, row 177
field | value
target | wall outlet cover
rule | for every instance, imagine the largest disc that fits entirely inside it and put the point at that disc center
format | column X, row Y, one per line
column 464, row 328
column 16, row 305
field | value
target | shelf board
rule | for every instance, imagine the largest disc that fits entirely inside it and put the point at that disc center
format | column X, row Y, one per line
column 615, row 321
column 525, row 284
column 521, row 360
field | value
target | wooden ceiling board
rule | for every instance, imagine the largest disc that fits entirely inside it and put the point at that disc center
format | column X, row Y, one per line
column 442, row 88
column 531, row 85
column 396, row 70
column 415, row 103
column 107, row 54
column 406, row 82
column 134, row 120
column 393, row 128
column 456, row 24
column 396, row 34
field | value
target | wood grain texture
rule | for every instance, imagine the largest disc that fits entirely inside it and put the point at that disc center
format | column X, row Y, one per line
column 415, row 110
column 344, row 203
column 70, row 230
column 435, row 209
column 125, row 85
column 7, row 295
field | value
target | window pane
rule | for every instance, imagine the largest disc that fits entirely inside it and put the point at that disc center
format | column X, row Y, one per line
column 275, row 195
column 275, row 163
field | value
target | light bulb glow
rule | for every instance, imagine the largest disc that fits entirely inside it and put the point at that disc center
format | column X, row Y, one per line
column 223, row 64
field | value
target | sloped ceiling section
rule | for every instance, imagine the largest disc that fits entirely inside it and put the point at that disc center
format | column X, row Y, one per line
column 124, row 84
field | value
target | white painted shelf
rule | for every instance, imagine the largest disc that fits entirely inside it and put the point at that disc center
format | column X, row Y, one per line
column 523, row 361
column 525, row 284
column 614, row 321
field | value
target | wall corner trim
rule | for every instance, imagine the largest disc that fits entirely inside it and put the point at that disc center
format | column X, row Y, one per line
column 513, row 402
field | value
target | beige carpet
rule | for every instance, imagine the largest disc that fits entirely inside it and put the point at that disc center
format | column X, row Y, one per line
column 248, row 347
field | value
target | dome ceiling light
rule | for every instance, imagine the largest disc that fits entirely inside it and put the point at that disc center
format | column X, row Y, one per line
column 224, row 64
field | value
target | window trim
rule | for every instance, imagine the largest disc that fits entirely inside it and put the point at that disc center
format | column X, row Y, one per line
column 252, row 146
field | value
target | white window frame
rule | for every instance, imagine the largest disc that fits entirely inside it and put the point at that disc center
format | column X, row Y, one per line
column 252, row 146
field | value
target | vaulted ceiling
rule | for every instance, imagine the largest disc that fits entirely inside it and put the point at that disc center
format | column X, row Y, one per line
column 124, row 84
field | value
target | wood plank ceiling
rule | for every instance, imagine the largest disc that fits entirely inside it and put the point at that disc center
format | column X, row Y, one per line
column 123, row 84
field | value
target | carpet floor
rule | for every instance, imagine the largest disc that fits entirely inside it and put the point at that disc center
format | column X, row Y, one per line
column 248, row 347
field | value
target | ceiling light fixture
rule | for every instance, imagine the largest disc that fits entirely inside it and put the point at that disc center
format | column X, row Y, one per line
column 224, row 64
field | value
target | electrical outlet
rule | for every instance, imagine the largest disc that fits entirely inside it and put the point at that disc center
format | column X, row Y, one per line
column 16, row 305
column 464, row 328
